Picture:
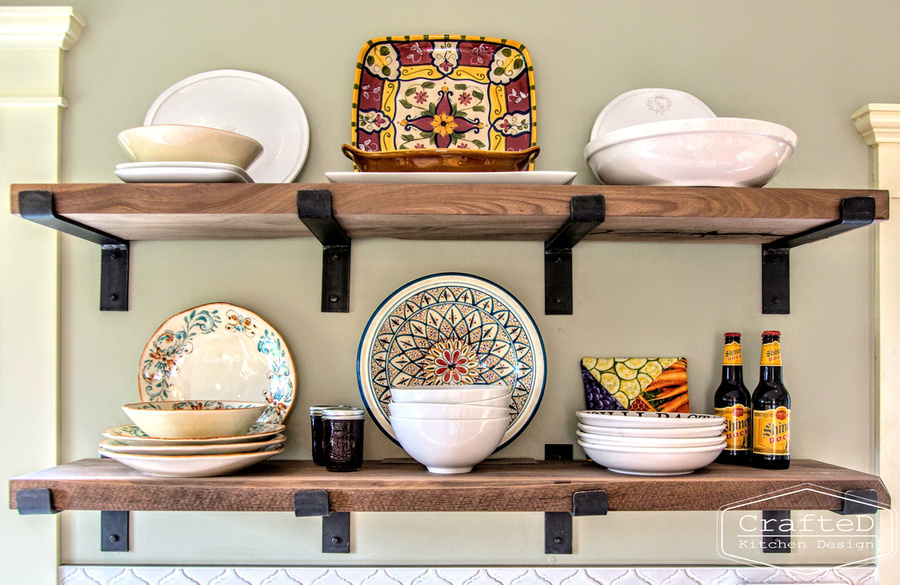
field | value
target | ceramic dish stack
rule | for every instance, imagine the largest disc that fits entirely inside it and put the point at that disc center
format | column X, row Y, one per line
column 650, row 443
column 192, row 438
column 450, row 429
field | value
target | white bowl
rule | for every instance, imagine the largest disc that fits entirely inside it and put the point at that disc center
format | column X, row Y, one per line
column 446, row 411
column 713, row 152
column 174, row 142
column 644, row 461
column 448, row 394
column 647, row 420
column 194, row 419
column 664, row 443
column 192, row 465
column 713, row 431
column 500, row 401
column 449, row 446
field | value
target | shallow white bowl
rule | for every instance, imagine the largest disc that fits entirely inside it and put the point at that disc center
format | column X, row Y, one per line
column 449, row 446
column 647, row 420
column 645, row 461
column 713, row 152
column 446, row 411
column 663, row 443
column 449, row 394
column 713, row 431
column 500, row 401
column 191, row 465
column 175, row 142
column 194, row 419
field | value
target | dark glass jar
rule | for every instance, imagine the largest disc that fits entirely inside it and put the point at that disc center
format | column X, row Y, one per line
column 342, row 438
column 732, row 402
column 771, row 409
column 315, row 420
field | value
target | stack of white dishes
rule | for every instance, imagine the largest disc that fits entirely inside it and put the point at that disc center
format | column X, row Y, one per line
column 192, row 438
column 650, row 443
column 450, row 429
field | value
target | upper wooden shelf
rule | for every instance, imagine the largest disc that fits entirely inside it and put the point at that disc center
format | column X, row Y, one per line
column 545, row 486
column 134, row 211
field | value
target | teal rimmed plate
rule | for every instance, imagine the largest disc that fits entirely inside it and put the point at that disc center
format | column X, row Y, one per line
column 132, row 435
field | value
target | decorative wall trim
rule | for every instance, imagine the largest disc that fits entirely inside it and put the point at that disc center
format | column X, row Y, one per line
column 91, row 575
column 39, row 27
column 32, row 102
column 878, row 123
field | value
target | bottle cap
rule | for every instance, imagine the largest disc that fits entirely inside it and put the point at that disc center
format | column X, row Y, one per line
column 732, row 335
column 768, row 333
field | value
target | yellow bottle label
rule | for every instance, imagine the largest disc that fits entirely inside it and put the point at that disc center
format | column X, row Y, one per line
column 737, row 427
column 772, row 431
column 732, row 354
column 771, row 354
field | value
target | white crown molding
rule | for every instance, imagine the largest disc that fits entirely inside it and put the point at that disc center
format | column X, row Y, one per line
column 34, row 102
column 39, row 27
column 878, row 123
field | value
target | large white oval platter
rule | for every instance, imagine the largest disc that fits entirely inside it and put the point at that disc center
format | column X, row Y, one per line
column 191, row 465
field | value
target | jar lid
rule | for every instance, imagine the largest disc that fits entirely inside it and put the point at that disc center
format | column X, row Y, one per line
column 318, row 409
column 344, row 412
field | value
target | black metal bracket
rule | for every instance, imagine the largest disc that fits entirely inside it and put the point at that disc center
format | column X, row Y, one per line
column 558, row 525
column 38, row 206
column 776, row 532
column 586, row 212
column 855, row 212
column 335, row 525
column 35, row 501
column 114, row 529
column 315, row 211
column 859, row 502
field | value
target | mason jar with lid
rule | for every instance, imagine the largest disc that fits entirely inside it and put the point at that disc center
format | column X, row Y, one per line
column 342, row 438
column 315, row 420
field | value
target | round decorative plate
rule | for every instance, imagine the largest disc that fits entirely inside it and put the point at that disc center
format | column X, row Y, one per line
column 451, row 329
column 209, row 449
column 219, row 352
column 132, row 435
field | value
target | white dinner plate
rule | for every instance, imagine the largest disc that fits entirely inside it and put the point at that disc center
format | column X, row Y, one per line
column 246, row 103
column 214, row 449
column 181, row 172
column 132, row 435
column 500, row 178
column 647, row 420
column 687, row 433
column 191, row 465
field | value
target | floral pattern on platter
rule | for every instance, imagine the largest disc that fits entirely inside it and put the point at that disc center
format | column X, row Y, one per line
column 451, row 329
column 443, row 92
column 193, row 405
column 174, row 347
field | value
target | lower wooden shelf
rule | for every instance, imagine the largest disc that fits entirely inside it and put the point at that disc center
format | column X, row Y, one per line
column 542, row 486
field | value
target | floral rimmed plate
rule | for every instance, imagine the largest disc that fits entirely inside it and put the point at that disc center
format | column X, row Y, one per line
column 132, row 435
column 213, row 449
column 219, row 351
column 452, row 329
column 443, row 91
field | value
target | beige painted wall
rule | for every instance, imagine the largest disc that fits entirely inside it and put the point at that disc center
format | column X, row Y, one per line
column 796, row 63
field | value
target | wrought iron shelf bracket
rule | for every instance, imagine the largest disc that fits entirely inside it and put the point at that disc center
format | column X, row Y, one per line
column 558, row 525
column 586, row 212
column 335, row 525
column 114, row 525
column 315, row 211
column 856, row 212
column 38, row 206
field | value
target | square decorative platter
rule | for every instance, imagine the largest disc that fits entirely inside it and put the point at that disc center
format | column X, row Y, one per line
column 443, row 91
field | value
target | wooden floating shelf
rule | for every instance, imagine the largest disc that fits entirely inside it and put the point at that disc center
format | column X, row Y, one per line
column 545, row 486
column 135, row 211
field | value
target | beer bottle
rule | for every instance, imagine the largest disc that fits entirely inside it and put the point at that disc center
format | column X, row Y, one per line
column 732, row 402
column 771, row 409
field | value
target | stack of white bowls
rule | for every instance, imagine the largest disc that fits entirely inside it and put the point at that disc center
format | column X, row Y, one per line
column 450, row 429
column 650, row 443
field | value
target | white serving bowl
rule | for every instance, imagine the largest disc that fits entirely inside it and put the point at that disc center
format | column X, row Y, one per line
column 449, row 446
column 648, row 461
column 446, row 411
column 175, row 142
column 449, row 394
column 194, row 419
column 663, row 443
column 713, row 431
column 647, row 420
column 500, row 401
column 713, row 152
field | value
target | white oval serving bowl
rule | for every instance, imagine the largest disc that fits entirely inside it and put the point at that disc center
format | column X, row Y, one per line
column 662, row 443
column 710, row 152
column 177, row 142
column 449, row 446
column 644, row 461
column 449, row 394
column 647, row 420
column 446, row 411
column 194, row 419
column 711, row 431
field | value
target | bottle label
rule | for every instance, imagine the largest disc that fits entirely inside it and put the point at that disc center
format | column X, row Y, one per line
column 737, row 427
column 732, row 354
column 771, row 354
column 772, row 431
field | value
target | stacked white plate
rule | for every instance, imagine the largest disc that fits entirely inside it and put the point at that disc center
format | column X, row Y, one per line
column 650, row 443
column 192, row 457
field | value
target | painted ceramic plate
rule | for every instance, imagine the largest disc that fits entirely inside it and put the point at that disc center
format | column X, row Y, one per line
column 507, row 178
column 214, row 449
column 219, row 352
column 132, row 435
column 443, row 91
column 451, row 329
column 191, row 465
column 246, row 103
column 646, row 105
column 181, row 172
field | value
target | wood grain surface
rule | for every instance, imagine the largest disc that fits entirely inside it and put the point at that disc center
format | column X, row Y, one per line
column 104, row 484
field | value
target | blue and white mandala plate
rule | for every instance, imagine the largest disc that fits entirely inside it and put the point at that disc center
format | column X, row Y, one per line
column 450, row 329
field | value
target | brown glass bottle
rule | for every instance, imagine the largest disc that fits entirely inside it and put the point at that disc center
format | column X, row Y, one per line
column 732, row 402
column 771, row 409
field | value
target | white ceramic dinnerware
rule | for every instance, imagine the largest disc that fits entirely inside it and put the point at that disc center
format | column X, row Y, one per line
column 450, row 394
column 652, row 461
column 178, row 142
column 446, row 411
column 712, row 431
column 647, row 420
column 181, row 172
column 245, row 103
column 193, row 419
column 646, row 105
column 132, row 435
column 191, row 465
column 211, row 449
column 664, row 443
column 449, row 446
